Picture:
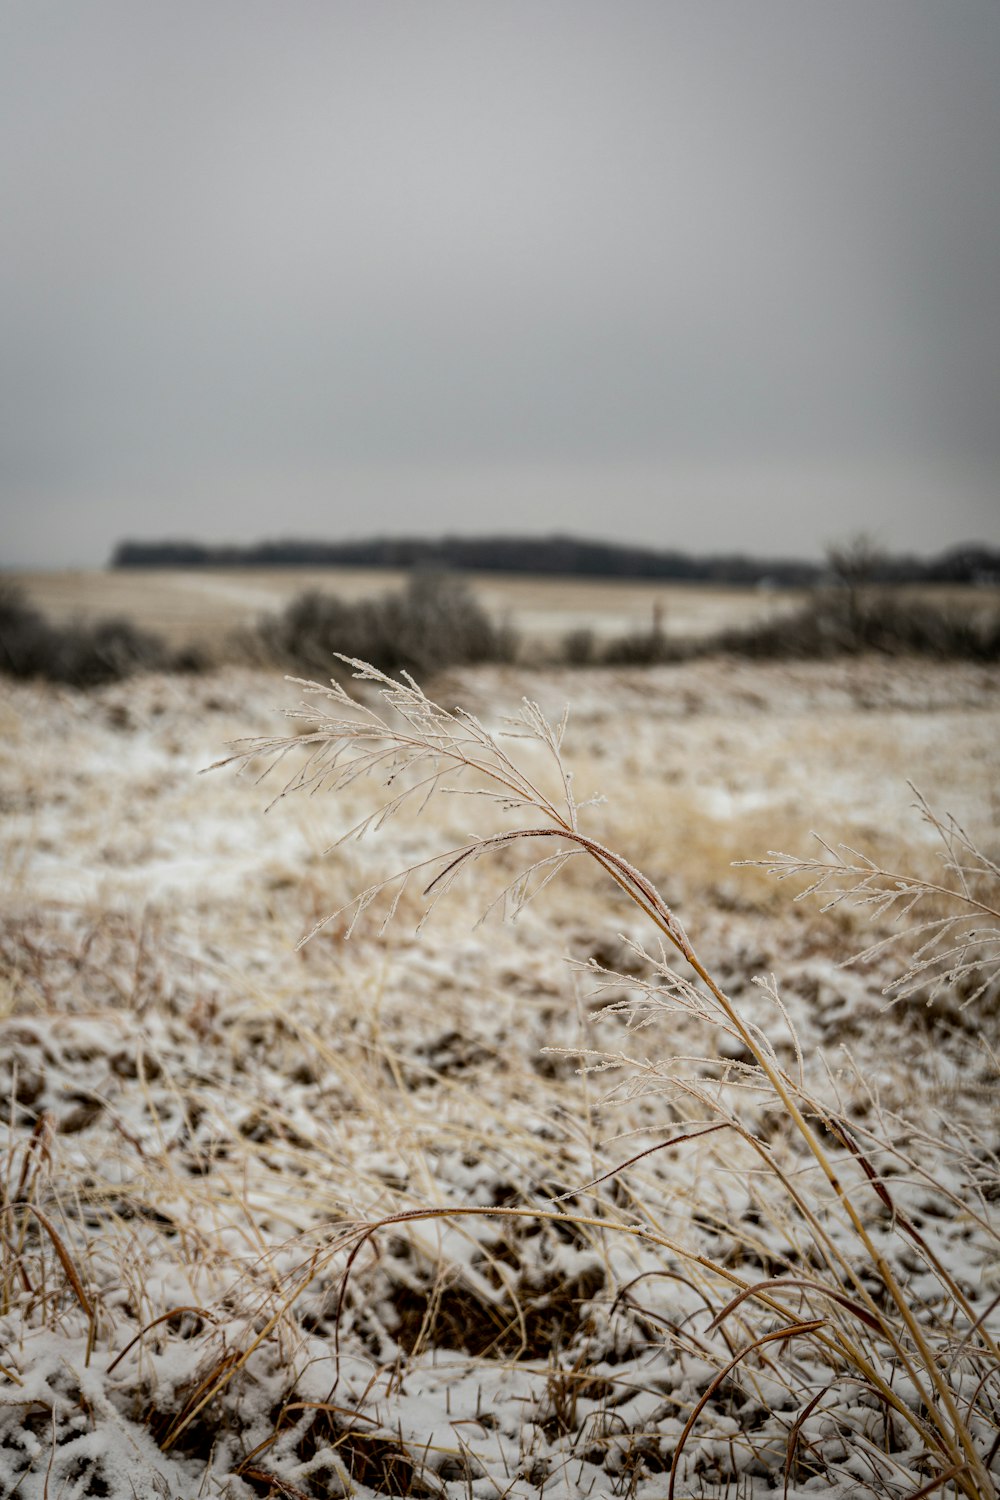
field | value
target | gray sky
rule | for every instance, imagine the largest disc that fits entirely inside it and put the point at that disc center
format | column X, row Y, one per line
column 694, row 273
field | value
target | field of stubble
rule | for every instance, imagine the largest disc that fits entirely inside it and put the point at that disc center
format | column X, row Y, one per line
column 201, row 1121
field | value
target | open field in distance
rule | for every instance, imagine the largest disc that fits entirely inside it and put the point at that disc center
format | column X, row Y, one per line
column 200, row 605
column 204, row 606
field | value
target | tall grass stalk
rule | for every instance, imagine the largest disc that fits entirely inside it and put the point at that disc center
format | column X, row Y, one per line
column 933, row 1370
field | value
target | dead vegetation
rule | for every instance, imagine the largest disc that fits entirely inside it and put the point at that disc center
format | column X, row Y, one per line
column 420, row 1217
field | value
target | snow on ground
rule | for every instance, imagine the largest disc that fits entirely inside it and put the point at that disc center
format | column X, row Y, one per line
column 201, row 1119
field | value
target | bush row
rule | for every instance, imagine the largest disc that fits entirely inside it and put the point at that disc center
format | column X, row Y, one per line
column 846, row 623
column 79, row 655
column 835, row 623
column 436, row 622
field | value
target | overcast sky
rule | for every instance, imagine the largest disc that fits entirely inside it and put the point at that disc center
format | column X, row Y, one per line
column 698, row 273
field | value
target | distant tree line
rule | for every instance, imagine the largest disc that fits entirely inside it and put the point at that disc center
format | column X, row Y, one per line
column 559, row 555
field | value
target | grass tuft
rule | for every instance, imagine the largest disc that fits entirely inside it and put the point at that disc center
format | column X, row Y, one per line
column 710, row 1208
column 834, row 1301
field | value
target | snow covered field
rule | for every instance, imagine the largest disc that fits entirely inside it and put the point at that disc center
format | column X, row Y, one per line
column 201, row 1121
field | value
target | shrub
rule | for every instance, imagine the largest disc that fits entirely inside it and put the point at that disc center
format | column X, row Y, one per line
column 645, row 649
column 434, row 623
column 579, row 648
column 24, row 634
column 843, row 1290
column 78, row 655
column 90, row 655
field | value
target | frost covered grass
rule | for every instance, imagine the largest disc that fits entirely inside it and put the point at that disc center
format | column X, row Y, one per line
column 860, row 1323
column 440, row 1215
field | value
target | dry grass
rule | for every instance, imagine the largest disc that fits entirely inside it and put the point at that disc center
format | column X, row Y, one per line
column 204, row 1128
column 862, row 1322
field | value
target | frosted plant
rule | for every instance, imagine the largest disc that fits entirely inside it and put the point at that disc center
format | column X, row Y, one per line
column 930, row 917
column 931, row 1365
